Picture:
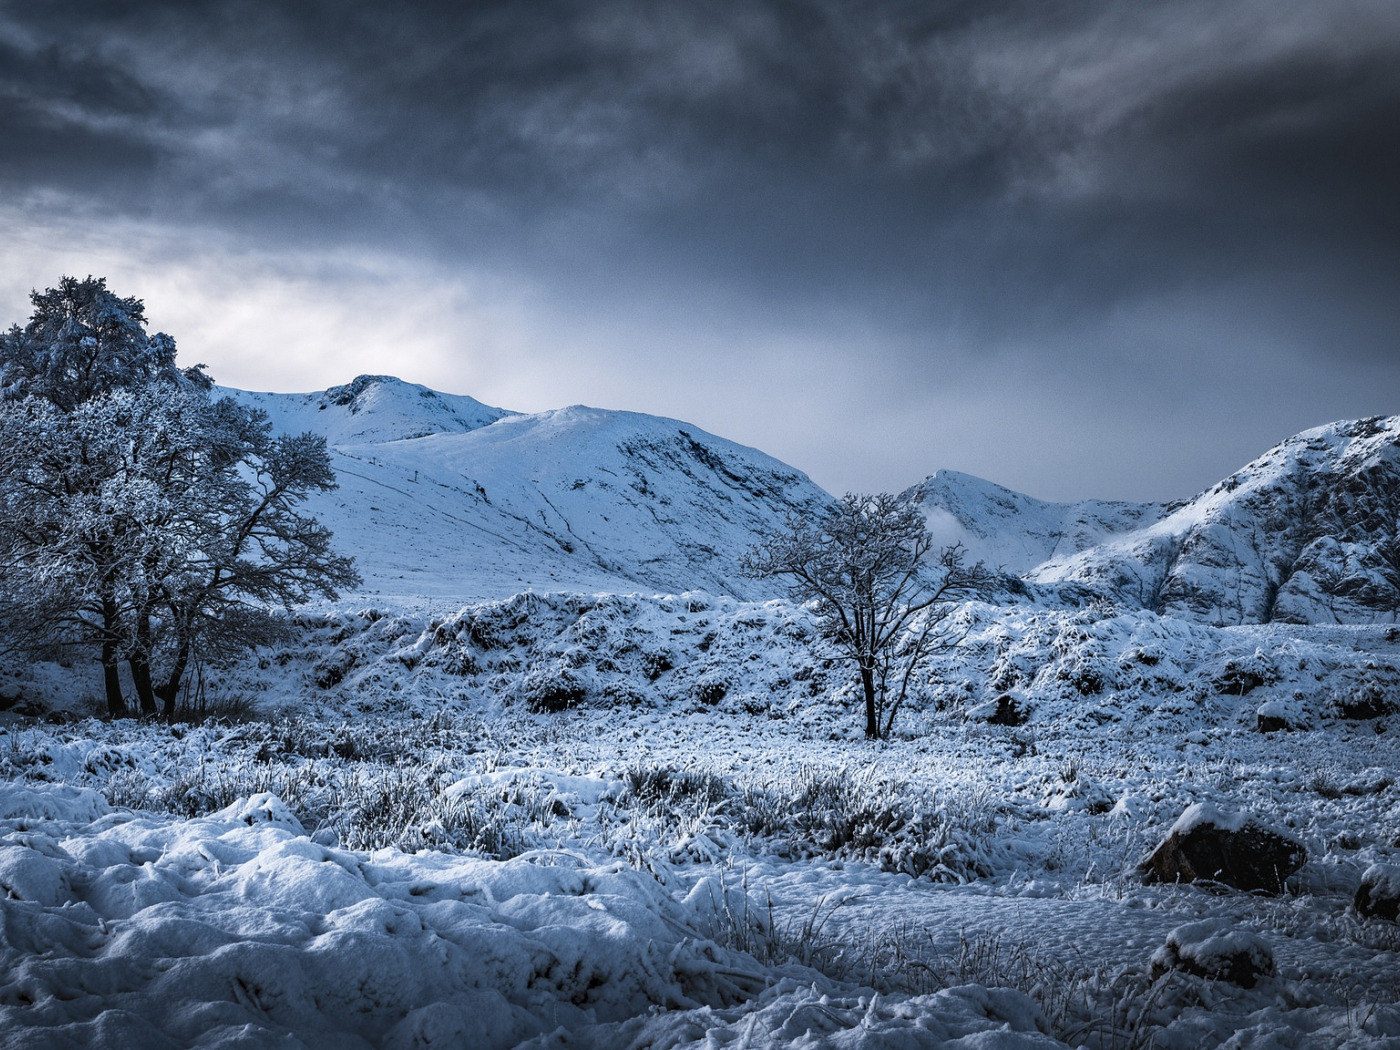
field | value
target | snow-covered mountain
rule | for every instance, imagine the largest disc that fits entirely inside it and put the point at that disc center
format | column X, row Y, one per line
column 1018, row 533
column 1306, row 533
column 1309, row 532
column 372, row 409
column 443, row 497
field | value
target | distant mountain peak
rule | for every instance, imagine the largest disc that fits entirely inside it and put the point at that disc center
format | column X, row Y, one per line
column 373, row 408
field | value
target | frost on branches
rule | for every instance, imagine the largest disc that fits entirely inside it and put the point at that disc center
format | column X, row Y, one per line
column 881, row 601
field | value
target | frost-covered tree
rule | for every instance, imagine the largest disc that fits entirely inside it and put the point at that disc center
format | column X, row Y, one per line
column 82, row 341
column 243, row 547
column 882, row 596
column 65, row 557
column 138, row 514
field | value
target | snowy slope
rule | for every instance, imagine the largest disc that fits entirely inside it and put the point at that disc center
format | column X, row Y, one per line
column 1318, row 508
column 1309, row 533
column 443, row 497
column 1017, row 532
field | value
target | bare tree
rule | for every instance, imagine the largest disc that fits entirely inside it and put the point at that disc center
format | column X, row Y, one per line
column 882, row 597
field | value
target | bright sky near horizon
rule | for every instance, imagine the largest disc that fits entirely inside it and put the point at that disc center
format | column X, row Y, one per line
column 1109, row 248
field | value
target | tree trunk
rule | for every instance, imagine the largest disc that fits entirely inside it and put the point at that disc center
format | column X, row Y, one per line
column 171, row 689
column 111, row 679
column 872, row 718
column 141, row 678
column 140, row 662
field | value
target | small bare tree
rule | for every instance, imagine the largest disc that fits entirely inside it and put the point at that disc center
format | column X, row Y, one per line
column 883, row 597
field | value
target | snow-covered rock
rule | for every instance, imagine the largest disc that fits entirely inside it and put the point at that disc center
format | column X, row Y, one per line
column 1232, row 848
column 1216, row 949
column 1378, row 896
column 1275, row 716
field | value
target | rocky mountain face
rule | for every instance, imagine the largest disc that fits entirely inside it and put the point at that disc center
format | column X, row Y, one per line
column 1307, row 533
column 443, row 497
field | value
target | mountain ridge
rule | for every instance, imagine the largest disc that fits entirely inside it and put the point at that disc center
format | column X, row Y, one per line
column 443, row 496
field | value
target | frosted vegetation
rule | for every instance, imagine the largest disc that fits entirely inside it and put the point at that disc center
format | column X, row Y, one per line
column 524, row 787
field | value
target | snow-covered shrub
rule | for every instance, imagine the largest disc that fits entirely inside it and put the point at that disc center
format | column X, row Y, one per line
column 215, row 705
column 735, row 919
column 1005, row 710
column 332, row 668
column 399, row 808
column 832, row 813
column 1369, row 699
column 553, row 688
column 652, row 785
column 711, row 689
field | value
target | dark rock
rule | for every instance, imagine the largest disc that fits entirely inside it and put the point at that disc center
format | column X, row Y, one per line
column 1379, row 894
column 1277, row 717
column 1206, row 845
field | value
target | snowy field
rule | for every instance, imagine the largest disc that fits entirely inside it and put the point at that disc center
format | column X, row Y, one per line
column 584, row 821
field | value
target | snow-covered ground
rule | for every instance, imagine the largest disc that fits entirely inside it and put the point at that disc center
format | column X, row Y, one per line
column 571, row 820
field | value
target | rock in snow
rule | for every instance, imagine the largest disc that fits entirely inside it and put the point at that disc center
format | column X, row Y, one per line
column 1379, row 893
column 1206, row 844
column 1276, row 716
column 1216, row 949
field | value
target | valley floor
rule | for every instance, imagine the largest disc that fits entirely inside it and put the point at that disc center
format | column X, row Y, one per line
column 294, row 882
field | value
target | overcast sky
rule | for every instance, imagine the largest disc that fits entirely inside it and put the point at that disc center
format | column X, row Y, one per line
column 1107, row 248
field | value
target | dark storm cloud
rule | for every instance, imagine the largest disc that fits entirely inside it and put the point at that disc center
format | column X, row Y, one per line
column 969, row 183
column 772, row 133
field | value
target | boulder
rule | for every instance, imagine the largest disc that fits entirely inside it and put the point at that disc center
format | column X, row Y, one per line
column 1215, row 949
column 1379, row 894
column 1234, row 849
column 1277, row 716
